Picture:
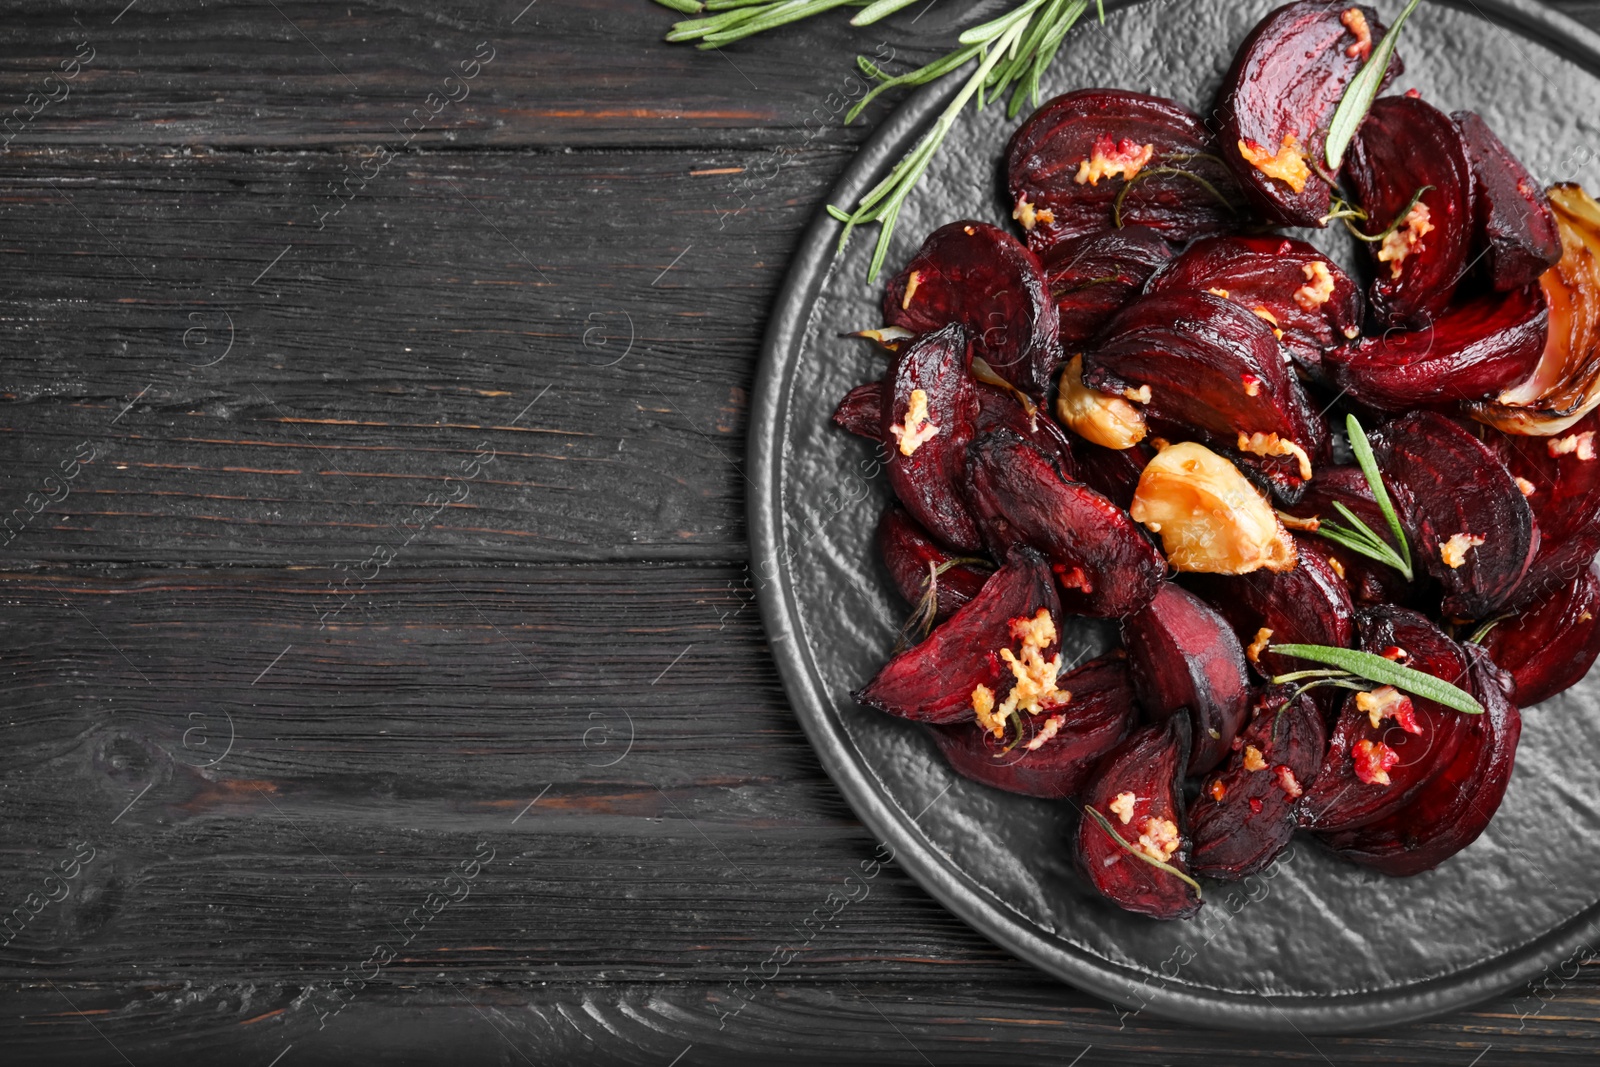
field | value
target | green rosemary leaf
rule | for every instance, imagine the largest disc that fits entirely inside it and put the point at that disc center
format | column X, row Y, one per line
column 685, row 7
column 995, row 28
column 1383, row 235
column 1385, row 672
column 1105, row 824
column 1361, row 91
column 1369, row 467
column 880, row 9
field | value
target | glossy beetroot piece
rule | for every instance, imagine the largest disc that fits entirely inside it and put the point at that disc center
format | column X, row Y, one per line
column 977, row 275
column 1214, row 367
column 1113, row 473
column 1369, row 582
column 861, row 411
column 1403, row 145
column 933, row 682
column 999, row 410
column 909, row 554
column 1050, row 761
column 1516, row 228
column 1185, row 658
column 1314, row 303
column 1459, row 802
column 1137, row 789
column 1309, row 604
column 1244, row 816
column 1457, row 491
column 1094, row 276
column 928, row 480
column 1106, row 566
column 1561, row 479
column 1286, row 81
column 1551, row 645
column 1070, row 161
column 1472, row 351
column 1340, row 798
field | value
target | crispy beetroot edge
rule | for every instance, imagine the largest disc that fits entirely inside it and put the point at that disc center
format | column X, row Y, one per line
column 1516, row 225
column 928, row 482
column 907, row 552
column 1553, row 642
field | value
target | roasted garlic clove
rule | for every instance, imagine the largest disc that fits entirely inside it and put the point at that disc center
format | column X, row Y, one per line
column 1099, row 418
column 1208, row 515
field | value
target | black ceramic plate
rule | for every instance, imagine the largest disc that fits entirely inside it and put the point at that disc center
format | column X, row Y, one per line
column 1322, row 946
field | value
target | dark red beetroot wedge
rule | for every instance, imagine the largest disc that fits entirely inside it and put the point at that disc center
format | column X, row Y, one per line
column 930, row 419
column 1244, row 816
column 1516, row 227
column 1551, row 645
column 861, row 411
column 1309, row 604
column 934, row 681
column 1185, row 658
column 1465, row 516
column 1373, row 771
column 1369, row 581
column 1113, row 473
column 1279, row 97
column 1560, row 476
column 1094, row 276
column 1212, row 366
column 1134, row 814
column 1105, row 564
column 1302, row 292
column 1067, row 165
column 1403, row 145
column 980, row 276
column 1458, row 803
column 1059, row 749
column 1472, row 351
column 999, row 410
column 911, row 556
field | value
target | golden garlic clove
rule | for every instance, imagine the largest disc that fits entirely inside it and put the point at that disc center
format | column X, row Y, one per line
column 1099, row 418
column 1208, row 515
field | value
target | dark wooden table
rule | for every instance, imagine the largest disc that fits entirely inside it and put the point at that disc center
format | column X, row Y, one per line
column 381, row 677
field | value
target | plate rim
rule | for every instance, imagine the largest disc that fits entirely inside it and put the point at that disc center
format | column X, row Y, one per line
column 810, row 266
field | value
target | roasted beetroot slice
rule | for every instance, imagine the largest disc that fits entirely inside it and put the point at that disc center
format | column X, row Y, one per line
column 911, row 555
column 1059, row 749
column 1216, row 368
column 999, row 410
column 1349, row 790
column 1185, row 658
column 933, row 682
column 1113, row 473
column 980, row 276
column 1244, row 816
column 1308, row 604
column 1067, row 165
column 1303, row 293
column 1551, row 645
column 1403, row 145
column 1107, row 567
column 1516, row 228
column 1468, row 523
column 1561, row 478
column 1473, row 350
column 1279, row 97
column 926, row 439
column 1458, row 803
column 861, row 411
column 1094, row 276
column 1137, row 791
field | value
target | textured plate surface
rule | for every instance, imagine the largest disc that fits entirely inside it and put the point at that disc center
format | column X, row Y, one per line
column 1320, row 945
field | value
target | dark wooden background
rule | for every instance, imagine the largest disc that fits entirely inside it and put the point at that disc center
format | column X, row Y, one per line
column 271, row 694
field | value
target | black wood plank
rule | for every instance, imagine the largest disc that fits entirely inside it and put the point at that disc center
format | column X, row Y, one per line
column 589, row 321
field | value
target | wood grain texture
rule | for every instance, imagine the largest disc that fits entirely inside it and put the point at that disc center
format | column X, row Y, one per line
column 252, row 553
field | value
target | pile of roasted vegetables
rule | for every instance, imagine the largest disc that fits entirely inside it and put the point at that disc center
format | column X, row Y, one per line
column 1324, row 628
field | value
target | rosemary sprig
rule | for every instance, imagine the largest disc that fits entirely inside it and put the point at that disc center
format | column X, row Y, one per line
column 1012, row 52
column 1105, row 824
column 1357, row 536
column 1360, row 93
column 1383, row 672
